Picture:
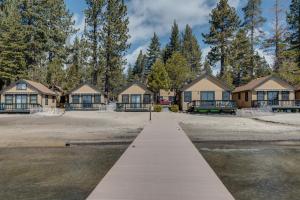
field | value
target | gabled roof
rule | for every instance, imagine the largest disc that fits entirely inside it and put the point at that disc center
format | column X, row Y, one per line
column 93, row 87
column 211, row 78
column 135, row 83
column 35, row 85
column 259, row 81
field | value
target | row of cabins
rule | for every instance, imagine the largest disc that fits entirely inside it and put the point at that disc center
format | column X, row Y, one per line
column 205, row 94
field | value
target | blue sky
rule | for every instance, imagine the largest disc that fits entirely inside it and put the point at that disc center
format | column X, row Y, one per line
column 157, row 16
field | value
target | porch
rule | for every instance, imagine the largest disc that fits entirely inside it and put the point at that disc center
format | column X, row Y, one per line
column 84, row 106
column 212, row 106
column 133, row 107
column 278, row 105
column 18, row 107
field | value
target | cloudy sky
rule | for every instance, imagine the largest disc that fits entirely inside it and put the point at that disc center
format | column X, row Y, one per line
column 147, row 17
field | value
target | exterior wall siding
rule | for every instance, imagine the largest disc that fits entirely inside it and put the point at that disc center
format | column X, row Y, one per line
column 133, row 90
column 297, row 94
column 201, row 86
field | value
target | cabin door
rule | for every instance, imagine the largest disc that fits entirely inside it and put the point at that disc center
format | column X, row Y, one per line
column 136, row 101
column 87, row 101
column 21, row 101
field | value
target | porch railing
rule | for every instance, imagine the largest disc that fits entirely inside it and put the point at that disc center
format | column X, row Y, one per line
column 84, row 106
column 133, row 107
column 276, row 103
column 214, row 104
column 18, row 107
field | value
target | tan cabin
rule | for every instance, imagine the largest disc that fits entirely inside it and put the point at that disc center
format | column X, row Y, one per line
column 265, row 91
column 85, row 97
column 206, row 93
column 24, row 95
column 166, row 97
column 134, row 97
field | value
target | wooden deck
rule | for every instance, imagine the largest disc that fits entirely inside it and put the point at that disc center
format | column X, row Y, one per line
column 161, row 164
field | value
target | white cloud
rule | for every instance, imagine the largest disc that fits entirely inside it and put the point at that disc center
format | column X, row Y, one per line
column 157, row 16
column 131, row 57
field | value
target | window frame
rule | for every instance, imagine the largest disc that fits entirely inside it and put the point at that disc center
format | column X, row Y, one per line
column 187, row 96
column 21, row 88
column 46, row 100
column 73, row 97
column 246, row 96
column 147, row 100
column 229, row 95
column 285, row 93
column 207, row 92
column 123, row 98
column 97, row 98
column 12, row 99
column 30, row 98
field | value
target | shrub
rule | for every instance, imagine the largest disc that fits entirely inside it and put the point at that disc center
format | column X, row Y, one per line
column 157, row 108
column 174, row 108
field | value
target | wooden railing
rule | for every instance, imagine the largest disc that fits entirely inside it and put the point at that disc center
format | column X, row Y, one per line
column 18, row 107
column 84, row 106
column 215, row 104
column 133, row 107
column 276, row 103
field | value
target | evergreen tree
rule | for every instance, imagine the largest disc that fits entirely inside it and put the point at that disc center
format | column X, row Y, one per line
column 114, row 39
column 178, row 71
column 153, row 53
column 94, row 22
column 130, row 75
column 263, row 68
column 174, row 44
column 224, row 21
column 73, row 74
column 293, row 20
column 253, row 21
column 12, row 44
column 139, row 67
column 158, row 77
column 276, row 43
column 55, row 73
column 191, row 51
column 207, row 67
column 240, row 59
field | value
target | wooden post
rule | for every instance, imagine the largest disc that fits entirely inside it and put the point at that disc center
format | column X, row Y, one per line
column 150, row 112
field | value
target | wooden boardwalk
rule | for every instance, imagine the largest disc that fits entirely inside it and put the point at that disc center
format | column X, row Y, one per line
column 161, row 164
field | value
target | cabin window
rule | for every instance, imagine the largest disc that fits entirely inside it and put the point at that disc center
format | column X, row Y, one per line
column 246, row 96
column 226, row 96
column 208, row 96
column 187, row 96
column 239, row 96
column 260, row 96
column 147, row 98
column 97, row 98
column 33, row 99
column 75, row 99
column 285, row 95
column 273, row 96
column 46, row 100
column 125, row 98
column 21, row 86
column 9, row 99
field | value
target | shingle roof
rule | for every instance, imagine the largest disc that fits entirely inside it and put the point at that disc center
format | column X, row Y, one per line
column 211, row 77
column 40, row 87
column 83, row 84
column 135, row 83
column 257, row 82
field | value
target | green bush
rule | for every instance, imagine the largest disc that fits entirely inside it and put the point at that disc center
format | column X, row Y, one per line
column 157, row 108
column 174, row 108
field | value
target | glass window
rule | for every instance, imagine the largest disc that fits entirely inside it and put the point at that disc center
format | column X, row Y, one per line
column 8, row 99
column 260, row 96
column 171, row 99
column 46, row 100
column 21, row 86
column 246, row 96
column 147, row 98
column 33, row 99
column 226, row 96
column 285, row 95
column 273, row 96
column 125, row 98
column 208, row 96
column 187, row 96
column 97, row 98
column 75, row 99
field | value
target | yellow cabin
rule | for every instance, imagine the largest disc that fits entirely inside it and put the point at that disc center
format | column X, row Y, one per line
column 25, row 95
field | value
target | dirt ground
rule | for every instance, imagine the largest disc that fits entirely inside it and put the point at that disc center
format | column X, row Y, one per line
column 47, row 131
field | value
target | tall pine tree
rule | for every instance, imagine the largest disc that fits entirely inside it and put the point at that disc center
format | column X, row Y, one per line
column 153, row 53
column 224, row 22
column 174, row 44
column 191, row 51
column 114, row 38
column 140, row 67
column 253, row 21
column 94, row 22
column 158, row 77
